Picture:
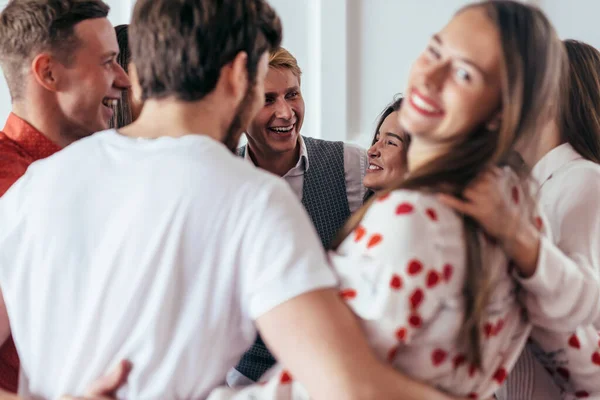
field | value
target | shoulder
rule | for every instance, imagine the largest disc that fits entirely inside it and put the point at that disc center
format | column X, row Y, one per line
column 414, row 218
column 580, row 179
column 415, row 203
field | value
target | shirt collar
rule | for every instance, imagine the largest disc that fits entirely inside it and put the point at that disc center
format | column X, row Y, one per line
column 553, row 161
column 302, row 161
column 28, row 138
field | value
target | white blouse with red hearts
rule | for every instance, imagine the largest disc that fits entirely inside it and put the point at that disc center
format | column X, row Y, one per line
column 402, row 271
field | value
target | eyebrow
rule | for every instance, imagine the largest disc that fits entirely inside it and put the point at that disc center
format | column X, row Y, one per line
column 290, row 89
column 394, row 135
column 436, row 38
column 110, row 54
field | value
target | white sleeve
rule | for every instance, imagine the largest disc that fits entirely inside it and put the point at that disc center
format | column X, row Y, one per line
column 281, row 252
column 355, row 167
column 564, row 292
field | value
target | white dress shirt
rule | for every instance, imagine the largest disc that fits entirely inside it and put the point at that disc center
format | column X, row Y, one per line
column 355, row 167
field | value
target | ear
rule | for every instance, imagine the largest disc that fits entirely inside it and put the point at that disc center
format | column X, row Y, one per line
column 235, row 75
column 495, row 122
column 43, row 68
column 136, row 89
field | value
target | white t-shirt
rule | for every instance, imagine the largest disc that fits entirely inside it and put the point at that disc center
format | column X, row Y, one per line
column 162, row 252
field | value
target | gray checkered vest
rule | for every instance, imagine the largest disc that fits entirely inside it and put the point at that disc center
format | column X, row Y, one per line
column 324, row 198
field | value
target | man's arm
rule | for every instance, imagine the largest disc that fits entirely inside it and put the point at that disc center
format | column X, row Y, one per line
column 318, row 329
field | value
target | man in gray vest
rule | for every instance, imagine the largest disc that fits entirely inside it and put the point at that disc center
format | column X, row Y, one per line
column 326, row 176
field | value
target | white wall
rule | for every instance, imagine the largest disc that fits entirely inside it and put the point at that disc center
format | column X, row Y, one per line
column 356, row 54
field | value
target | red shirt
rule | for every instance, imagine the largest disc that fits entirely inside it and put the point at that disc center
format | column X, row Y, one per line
column 20, row 145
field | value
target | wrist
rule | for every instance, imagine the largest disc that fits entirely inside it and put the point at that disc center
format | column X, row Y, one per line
column 522, row 246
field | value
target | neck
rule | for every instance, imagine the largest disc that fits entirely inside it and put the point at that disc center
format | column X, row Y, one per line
column 548, row 139
column 45, row 119
column 175, row 118
column 274, row 162
column 422, row 152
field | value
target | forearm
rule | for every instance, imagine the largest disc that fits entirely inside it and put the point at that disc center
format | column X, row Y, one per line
column 384, row 382
column 320, row 341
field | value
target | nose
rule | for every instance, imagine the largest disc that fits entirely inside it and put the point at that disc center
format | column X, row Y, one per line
column 122, row 81
column 374, row 151
column 435, row 75
column 283, row 110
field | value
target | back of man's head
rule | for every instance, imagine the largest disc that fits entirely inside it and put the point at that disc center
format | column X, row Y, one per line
column 29, row 27
column 180, row 46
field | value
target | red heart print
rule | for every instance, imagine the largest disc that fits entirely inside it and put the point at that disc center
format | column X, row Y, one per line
column 459, row 360
column 374, row 240
column 596, row 358
column 472, row 370
column 433, row 279
column 416, row 298
column 500, row 375
column 401, row 334
column 415, row 321
column 574, row 342
column 348, row 294
column 488, row 330
column 396, row 282
column 498, row 327
column 563, row 372
column 404, row 208
column 285, row 378
column 539, row 224
column 438, row 356
column 472, row 396
column 582, row 394
column 431, row 214
column 447, row 271
column 359, row 233
column 414, row 267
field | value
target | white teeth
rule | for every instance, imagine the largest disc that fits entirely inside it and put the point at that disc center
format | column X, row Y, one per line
column 374, row 167
column 419, row 102
column 282, row 129
column 110, row 102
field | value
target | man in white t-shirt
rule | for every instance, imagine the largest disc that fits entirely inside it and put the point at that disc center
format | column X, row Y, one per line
column 158, row 245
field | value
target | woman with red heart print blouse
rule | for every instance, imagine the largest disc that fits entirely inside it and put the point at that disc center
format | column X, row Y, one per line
column 436, row 297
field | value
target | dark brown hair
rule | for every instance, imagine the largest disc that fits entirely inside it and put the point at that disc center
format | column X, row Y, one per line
column 532, row 64
column 179, row 47
column 30, row 27
column 580, row 122
column 122, row 116
column 393, row 107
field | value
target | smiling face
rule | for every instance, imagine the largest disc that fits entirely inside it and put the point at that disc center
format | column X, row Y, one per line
column 276, row 127
column 387, row 155
column 455, row 84
column 94, row 81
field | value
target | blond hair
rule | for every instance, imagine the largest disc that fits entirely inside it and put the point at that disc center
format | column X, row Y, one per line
column 281, row 58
